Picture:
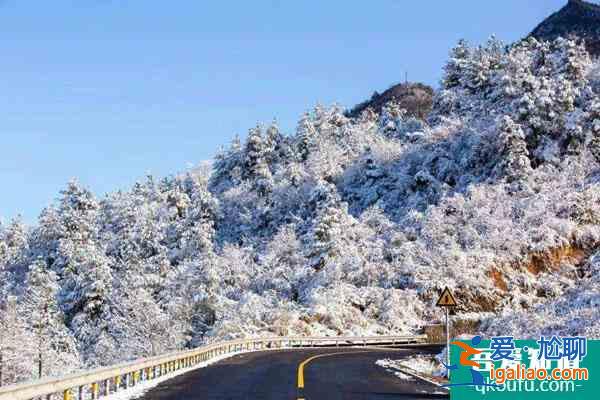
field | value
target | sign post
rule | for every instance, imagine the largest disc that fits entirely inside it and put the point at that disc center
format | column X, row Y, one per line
column 447, row 300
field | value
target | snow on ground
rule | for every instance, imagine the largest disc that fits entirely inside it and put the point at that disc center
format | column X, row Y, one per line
column 393, row 367
column 346, row 227
column 423, row 365
column 142, row 388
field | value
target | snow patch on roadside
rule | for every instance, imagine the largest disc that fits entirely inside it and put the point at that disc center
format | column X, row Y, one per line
column 425, row 365
column 135, row 392
column 394, row 367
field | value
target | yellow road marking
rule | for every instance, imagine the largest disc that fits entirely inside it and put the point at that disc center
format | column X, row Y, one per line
column 303, row 364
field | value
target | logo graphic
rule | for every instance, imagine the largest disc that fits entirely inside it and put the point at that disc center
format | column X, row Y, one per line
column 468, row 351
column 550, row 368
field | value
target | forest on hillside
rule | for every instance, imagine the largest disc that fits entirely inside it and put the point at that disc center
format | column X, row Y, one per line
column 347, row 226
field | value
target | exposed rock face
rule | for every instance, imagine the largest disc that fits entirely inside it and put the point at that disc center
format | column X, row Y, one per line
column 578, row 18
column 416, row 98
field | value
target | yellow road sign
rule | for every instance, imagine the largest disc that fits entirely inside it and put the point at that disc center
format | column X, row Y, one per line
column 446, row 299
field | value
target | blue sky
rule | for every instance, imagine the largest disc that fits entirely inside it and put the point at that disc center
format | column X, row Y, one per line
column 106, row 91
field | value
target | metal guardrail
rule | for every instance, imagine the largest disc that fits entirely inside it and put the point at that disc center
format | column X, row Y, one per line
column 115, row 378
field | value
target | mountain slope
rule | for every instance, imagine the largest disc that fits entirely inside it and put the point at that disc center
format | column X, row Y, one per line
column 415, row 98
column 578, row 18
column 347, row 226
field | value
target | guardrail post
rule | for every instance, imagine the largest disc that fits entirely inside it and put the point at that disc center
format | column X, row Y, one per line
column 80, row 394
column 94, row 390
column 67, row 395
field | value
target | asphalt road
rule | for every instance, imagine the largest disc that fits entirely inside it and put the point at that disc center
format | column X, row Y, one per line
column 331, row 374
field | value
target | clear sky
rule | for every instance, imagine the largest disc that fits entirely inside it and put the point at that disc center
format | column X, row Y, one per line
column 106, row 91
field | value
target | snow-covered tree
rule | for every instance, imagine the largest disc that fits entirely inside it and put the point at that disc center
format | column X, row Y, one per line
column 17, row 344
column 514, row 155
column 305, row 134
column 56, row 348
column 346, row 226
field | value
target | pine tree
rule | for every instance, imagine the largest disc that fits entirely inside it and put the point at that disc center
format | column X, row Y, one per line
column 305, row 136
column 274, row 144
column 326, row 234
column 284, row 266
column 256, row 166
column 455, row 68
column 17, row 344
column 81, row 262
column 197, row 229
column 55, row 347
column 15, row 249
column 514, row 154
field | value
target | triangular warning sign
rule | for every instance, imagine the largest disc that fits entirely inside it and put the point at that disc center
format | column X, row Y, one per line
column 446, row 299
